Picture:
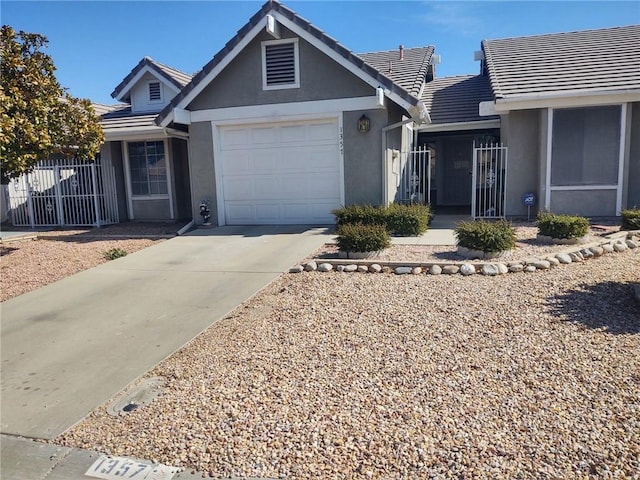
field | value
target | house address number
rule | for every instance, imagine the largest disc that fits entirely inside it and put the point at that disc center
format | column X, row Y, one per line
column 118, row 468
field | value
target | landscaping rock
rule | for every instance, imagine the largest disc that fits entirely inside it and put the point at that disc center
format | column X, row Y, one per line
column 350, row 268
column 311, row 267
column 553, row 261
column 631, row 244
column 435, row 270
column 325, row 267
column 402, row 270
column 541, row 264
column 339, row 268
column 620, row 247
column 530, row 268
column 296, row 269
column 416, row 270
column 502, row 268
column 597, row 251
column 586, row 253
column 490, row 269
column 564, row 258
column 375, row 268
column 516, row 267
column 363, row 269
column 467, row 269
column 387, row 269
column 576, row 257
column 450, row 269
column 608, row 248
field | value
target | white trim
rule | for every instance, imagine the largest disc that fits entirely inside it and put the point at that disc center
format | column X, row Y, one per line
column 202, row 84
column 448, row 127
column 217, row 170
column 296, row 64
column 127, row 177
column 621, row 153
column 167, row 158
column 146, row 69
column 547, row 190
column 562, row 99
column 567, row 188
column 276, row 112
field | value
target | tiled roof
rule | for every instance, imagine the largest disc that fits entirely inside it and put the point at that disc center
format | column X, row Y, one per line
column 176, row 77
column 123, row 122
column 101, row 108
column 275, row 6
column 409, row 73
column 606, row 59
column 456, row 99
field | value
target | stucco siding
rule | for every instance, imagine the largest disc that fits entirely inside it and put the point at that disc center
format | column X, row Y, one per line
column 591, row 203
column 520, row 132
column 140, row 95
column 633, row 192
column 240, row 83
column 203, row 180
column 181, row 183
column 362, row 162
column 151, row 209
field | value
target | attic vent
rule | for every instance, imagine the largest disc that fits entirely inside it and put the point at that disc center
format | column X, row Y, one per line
column 280, row 64
column 154, row 92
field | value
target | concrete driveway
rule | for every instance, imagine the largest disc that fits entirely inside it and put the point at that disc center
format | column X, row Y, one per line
column 70, row 346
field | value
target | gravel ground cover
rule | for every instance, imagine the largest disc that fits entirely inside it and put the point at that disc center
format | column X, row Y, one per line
column 347, row 376
column 29, row 264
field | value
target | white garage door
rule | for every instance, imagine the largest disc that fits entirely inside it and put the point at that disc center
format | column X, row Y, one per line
column 280, row 173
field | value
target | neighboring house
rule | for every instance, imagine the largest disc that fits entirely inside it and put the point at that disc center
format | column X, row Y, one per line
column 569, row 107
column 285, row 124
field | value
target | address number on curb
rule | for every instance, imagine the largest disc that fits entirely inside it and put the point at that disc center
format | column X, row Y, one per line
column 117, row 468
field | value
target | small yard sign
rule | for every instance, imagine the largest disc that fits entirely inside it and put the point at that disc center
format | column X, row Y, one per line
column 529, row 200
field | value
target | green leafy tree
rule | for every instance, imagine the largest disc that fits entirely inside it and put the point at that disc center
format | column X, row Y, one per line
column 38, row 118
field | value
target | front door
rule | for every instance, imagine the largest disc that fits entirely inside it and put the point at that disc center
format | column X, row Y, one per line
column 456, row 162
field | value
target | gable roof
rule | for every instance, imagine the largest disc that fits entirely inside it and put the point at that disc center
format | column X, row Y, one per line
column 456, row 99
column 409, row 72
column 173, row 76
column 604, row 60
column 305, row 29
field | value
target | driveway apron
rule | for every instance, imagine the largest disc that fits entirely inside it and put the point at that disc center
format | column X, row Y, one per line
column 70, row 346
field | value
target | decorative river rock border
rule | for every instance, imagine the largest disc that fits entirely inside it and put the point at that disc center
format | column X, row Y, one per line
column 615, row 242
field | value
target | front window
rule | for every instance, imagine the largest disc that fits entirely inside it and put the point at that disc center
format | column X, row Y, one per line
column 148, row 168
column 585, row 146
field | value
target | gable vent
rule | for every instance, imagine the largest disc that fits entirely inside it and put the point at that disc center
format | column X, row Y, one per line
column 154, row 92
column 280, row 64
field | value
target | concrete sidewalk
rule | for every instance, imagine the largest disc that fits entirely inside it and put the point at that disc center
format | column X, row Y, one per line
column 70, row 346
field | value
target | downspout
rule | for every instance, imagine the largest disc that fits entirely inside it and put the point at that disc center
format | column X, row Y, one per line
column 385, row 165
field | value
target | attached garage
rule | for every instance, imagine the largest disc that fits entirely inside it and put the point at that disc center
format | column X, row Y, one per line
column 280, row 173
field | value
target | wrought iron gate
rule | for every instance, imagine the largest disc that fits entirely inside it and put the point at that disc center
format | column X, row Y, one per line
column 414, row 185
column 64, row 193
column 489, row 180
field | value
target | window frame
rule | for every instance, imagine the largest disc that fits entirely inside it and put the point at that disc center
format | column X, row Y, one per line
column 148, row 196
column 296, row 61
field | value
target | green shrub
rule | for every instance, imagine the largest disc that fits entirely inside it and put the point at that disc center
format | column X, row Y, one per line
column 357, row 237
column 488, row 237
column 561, row 226
column 114, row 253
column 631, row 219
column 407, row 220
column 365, row 214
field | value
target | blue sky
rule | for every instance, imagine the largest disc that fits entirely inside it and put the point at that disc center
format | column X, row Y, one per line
column 95, row 44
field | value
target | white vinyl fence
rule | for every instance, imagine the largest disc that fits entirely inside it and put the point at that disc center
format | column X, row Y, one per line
column 489, row 180
column 64, row 193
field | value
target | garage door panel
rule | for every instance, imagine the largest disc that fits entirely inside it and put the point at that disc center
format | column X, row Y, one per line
column 283, row 173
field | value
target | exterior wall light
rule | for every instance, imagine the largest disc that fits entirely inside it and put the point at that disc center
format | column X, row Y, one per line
column 364, row 124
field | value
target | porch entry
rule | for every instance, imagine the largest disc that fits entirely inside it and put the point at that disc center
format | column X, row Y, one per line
column 64, row 193
column 455, row 173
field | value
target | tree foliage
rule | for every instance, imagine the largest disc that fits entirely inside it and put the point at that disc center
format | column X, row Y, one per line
column 38, row 118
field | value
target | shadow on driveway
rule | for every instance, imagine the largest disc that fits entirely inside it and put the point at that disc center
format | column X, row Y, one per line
column 608, row 305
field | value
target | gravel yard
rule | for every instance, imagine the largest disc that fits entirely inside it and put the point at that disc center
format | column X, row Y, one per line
column 359, row 376
column 29, row 264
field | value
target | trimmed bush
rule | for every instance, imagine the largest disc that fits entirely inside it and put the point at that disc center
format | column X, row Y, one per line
column 357, row 237
column 561, row 226
column 398, row 219
column 365, row 214
column 487, row 237
column 631, row 219
column 407, row 220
